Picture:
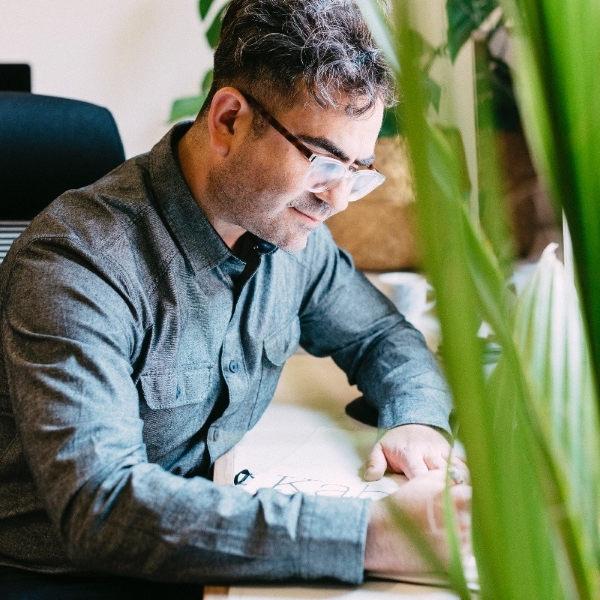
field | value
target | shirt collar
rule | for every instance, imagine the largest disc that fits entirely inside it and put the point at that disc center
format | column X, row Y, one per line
column 201, row 245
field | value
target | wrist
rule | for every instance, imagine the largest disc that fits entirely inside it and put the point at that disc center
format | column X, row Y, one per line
column 377, row 544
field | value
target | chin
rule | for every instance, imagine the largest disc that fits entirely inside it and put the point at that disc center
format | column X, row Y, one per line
column 289, row 239
column 293, row 244
column 293, row 248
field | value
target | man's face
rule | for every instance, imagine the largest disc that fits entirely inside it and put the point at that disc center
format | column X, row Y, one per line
column 259, row 188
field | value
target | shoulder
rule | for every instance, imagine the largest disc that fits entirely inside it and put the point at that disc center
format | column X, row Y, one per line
column 102, row 218
column 100, row 229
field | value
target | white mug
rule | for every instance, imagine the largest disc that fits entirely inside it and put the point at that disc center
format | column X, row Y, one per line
column 410, row 292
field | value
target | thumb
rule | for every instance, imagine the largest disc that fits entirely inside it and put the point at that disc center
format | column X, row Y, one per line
column 376, row 464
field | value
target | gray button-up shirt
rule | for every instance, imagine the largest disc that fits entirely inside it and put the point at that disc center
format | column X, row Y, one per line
column 136, row 349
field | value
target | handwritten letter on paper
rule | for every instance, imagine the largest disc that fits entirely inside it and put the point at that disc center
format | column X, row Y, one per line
column 288, row 484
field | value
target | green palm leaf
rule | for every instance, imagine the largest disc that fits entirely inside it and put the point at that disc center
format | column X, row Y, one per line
column 531, row 430
column 559, row 94
column 204, row 7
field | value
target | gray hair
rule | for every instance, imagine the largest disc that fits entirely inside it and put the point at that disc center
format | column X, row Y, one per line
column 274, row 48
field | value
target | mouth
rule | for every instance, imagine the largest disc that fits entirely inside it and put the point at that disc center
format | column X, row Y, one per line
column 310, row 219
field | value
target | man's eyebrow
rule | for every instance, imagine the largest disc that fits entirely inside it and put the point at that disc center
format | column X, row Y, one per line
column 330, row 147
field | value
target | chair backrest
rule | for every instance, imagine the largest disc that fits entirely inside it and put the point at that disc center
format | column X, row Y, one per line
column 15, row 77
column 49, row 145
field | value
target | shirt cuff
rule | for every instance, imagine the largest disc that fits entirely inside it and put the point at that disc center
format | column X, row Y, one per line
column 428, row 408
column 335, row 534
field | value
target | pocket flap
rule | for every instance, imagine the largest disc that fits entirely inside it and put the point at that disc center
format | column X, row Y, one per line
column 280, row 345
column 170, row 389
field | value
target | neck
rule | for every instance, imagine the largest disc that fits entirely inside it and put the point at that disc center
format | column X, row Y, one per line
column 196, row 162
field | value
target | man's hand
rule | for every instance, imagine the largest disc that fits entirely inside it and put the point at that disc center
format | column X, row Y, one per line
column 412, row 450
column 389, row 549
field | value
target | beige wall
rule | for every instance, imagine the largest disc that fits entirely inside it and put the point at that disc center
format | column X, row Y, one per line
column 132, row 56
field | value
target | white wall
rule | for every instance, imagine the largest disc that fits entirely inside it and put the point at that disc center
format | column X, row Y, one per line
column 132, row 56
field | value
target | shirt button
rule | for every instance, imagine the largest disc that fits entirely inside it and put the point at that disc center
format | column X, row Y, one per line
column 233, row 366
column 215, row 435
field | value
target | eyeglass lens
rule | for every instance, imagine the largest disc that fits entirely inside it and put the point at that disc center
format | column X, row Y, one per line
column 324, row 174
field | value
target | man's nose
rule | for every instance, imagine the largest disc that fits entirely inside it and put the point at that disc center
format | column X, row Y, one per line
column 337, row 195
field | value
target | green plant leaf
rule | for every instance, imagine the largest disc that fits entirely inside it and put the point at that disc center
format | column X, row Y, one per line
column 559, row 101
column 214, row 31
column 457, row 560
column 531, row 431
column 550, row 334
column 558, row 98
column 390, row 126
column 525, row 549
column 434, row 91
column 530, row 422
column 493, row 209
column 206, row 83
column 464, row 17
column 186, row 107
column 204, row 7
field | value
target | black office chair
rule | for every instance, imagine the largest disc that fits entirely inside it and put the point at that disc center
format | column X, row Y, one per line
column 49, row 145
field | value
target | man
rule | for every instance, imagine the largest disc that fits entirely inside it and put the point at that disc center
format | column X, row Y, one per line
column 146, row 319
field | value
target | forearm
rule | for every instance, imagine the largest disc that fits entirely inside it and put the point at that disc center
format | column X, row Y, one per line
column 379, row 546
column 384, row 355
column 156, row 525
column 422, row 502
column 118, row 513
column 400, row 377
column 388, row 548
column 346, row 317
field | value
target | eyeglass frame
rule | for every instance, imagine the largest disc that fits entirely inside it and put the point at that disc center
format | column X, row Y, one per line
column 305, row 150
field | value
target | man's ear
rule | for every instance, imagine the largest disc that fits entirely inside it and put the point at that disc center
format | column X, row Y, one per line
column 229, row 119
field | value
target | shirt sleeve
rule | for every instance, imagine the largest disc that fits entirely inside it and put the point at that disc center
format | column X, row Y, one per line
column 344, row 316
column 71, row 338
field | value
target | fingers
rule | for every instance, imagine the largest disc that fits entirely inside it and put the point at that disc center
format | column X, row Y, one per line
column 436, row 461
column 413, row 450
column 376, row 464
column 411, row 464
column 459, row 471
column 461, row 496
column 414, row 465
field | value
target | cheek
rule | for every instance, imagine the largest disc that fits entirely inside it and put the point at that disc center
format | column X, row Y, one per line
column 275, row 169
column 281, row 182
column 287, row 167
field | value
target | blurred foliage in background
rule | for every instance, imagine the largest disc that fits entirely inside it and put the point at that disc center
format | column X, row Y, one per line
column 531, row 428
column 210, row 13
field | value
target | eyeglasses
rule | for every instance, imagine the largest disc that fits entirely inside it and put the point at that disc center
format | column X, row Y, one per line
column 324, row 172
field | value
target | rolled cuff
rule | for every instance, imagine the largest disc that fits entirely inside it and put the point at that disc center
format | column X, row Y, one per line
column 334, row 533
column 429, row 407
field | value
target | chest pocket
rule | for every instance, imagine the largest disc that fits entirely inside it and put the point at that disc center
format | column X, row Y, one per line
column 280, row 345
column 174, row 405
column 170, row 389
